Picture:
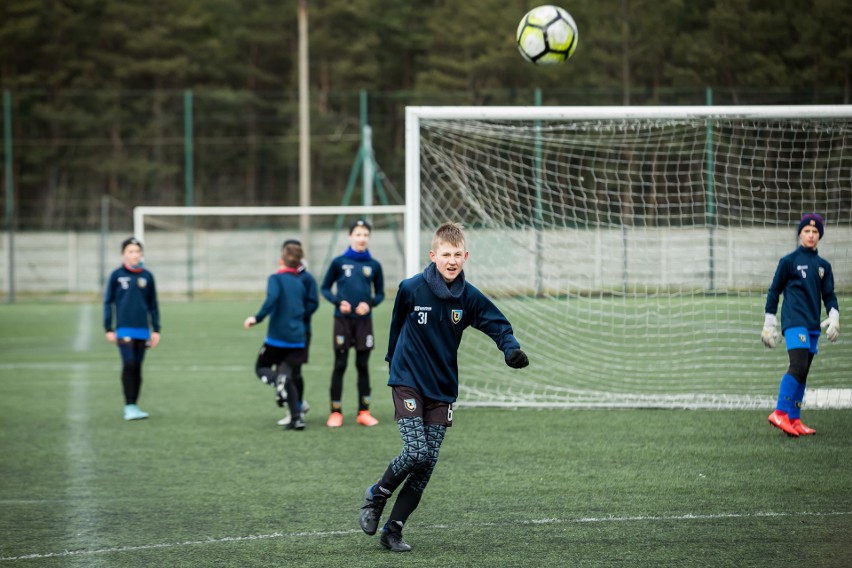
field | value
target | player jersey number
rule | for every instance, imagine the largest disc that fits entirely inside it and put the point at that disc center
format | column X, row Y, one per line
column 422, row 317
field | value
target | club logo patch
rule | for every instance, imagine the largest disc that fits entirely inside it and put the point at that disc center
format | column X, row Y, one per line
column 802, row 337
column 367, row 271
column 457, row 315
column 142, row 282
column 821, row 272
column 410, row 404
column 339, row 339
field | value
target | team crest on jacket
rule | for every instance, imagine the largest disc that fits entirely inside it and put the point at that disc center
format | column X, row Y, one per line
column 367, row 270
column 457, row 315
column 410, row 404
column 821, row 272
column 142, row 282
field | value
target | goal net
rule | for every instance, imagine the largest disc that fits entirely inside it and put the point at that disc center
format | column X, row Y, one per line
column 222, row 250
column 632, row 247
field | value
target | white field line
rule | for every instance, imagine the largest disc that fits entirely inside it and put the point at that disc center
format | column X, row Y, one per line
column 346, row 532
column 79, row 451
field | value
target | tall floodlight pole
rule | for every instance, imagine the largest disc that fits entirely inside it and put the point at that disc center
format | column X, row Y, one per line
column 304, row 124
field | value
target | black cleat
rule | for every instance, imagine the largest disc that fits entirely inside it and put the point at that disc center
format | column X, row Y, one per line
column 297, row 424
column 371, row 511
column 392, row 539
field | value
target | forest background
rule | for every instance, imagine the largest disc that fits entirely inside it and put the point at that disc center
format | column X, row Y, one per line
column 96, row 90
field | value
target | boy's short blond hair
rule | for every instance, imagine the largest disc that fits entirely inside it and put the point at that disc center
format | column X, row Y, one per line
column 450, row 233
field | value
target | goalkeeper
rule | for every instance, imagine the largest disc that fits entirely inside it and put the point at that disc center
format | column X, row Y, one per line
column 805, row 279
column 431, row 311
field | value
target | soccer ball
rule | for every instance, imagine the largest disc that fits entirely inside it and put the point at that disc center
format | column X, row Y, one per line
column 547, row 35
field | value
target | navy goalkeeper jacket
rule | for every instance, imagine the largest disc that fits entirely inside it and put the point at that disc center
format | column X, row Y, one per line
column 134, row 294
column 426, row 330
column 804, row 278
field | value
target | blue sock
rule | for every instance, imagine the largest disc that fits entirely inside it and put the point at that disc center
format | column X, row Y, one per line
column 798, row 398
column 787, row 393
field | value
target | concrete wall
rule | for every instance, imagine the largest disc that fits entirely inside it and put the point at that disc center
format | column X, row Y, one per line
column 572, row 260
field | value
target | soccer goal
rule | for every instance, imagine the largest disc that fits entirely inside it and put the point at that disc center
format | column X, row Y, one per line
column 222, row 250
column 631, row 247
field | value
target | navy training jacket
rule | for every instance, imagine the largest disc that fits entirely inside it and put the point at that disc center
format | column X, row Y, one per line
column 135, row 297
column 805, row 279
column 356, row 280
column 426, row 330
column 291, row 299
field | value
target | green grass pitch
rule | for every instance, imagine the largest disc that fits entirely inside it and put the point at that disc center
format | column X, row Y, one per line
column 211, row 480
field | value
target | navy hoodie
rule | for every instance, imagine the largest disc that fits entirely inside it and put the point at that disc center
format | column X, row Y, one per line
column 426, row 329
column 134, row 294
column 804, row 278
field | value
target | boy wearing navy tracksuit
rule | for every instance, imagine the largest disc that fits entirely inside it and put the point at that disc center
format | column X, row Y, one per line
column 290, row 302
column 806, row 280
column 360, row 286
column 132, row 295
column 431, row 311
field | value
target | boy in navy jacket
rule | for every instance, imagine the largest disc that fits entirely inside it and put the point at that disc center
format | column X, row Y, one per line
column 805, row 279
column 131, row 294
column 291, row 299
column 359, row 287
column 431, row 311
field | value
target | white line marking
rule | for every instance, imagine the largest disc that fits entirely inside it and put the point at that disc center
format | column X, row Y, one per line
column 83, row 339
column 323, row 534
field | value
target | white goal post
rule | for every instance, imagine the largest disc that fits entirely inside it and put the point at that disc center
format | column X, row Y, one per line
column 631, row 247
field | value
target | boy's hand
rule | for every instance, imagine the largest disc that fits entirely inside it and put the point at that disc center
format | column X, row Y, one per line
column 250, row 321
column 770, row 334
column 155, row 338
column 517, row 359
column 832, row 325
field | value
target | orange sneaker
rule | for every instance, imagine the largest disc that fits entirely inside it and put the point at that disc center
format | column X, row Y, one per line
column 801, row 428
column 366, row 419
column 781, row 421
column 335, row 420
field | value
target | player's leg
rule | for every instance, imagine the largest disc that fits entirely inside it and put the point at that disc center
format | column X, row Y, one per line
column 132, row 352
column 341, row 354
column 263, row 366
column 800, row 369
column 363, row 338
column 285, row 384
column 437, row 417
column 798, row 345
column 409, row 417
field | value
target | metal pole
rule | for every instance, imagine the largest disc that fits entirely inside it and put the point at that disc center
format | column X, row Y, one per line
column 188, row 181
column 711, row 212
column 538, row 222
column 10, row 188
column 367, row 171
column 304, row 127
column 103, row 239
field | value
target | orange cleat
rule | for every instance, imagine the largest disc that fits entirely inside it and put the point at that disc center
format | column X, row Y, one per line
column 335, row 420
column 801, row 428
column 781, row 421
column 366, row 419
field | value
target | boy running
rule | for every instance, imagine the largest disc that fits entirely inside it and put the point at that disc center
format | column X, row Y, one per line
column 289, row 303
column 805, row 279
column 131, row 291
column 431, row 311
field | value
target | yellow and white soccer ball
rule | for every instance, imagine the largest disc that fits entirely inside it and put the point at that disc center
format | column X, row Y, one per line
column 547, row 35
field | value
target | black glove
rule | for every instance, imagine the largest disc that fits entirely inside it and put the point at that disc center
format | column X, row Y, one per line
column 517, row 359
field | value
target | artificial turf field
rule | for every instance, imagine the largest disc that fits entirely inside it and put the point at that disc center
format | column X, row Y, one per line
column 211, row 480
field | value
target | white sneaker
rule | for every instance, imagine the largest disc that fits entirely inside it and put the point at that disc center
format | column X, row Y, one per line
column 287, row 419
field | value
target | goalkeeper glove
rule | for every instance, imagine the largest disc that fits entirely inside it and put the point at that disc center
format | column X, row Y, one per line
column 832, row 325
column 517, row 359
column 770, row 334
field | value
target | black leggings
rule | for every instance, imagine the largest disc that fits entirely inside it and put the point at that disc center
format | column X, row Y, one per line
column 362, row 359
column 800, row 364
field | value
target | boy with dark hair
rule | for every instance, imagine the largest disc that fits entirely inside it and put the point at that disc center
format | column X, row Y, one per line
column 132, row 292
column 360, row 286
column 311, row 286
column 805, row 279
column 431, row 311
column 289, row 303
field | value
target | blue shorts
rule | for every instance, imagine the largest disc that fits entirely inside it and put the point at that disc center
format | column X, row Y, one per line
column 801, row 338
